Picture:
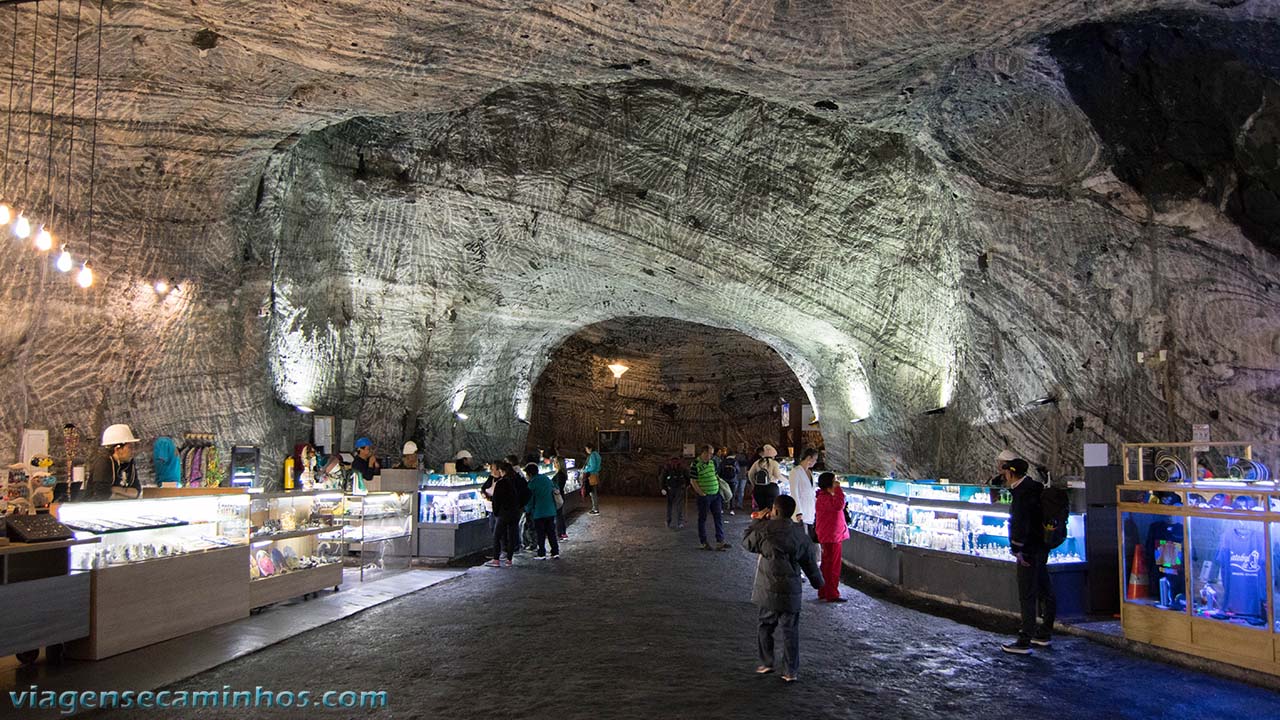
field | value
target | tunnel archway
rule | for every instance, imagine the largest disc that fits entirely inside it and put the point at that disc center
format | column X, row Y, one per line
column 686, row 383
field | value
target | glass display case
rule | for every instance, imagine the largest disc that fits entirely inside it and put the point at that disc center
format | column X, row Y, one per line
column 452, row 520
column 132, row 531
column 296, row 545
column 1199, row 562
column 949, row 517
column 377, row 529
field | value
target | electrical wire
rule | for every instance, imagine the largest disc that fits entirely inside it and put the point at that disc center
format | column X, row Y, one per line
column 75, row 76
column 31, row 104
column 53, row 98
column 13, row 76
column 93, row 141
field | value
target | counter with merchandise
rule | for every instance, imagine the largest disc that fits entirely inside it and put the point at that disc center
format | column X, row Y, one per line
column 377, row 529
column 452, row 517
column 296, row 547
column 949, row 542
column 187, row 551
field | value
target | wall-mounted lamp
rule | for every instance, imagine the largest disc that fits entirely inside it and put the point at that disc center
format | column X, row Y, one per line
column 935, row 411
column 524, row 420
column 618, row 369
column 303, row 409
column 858, row 420
column 1046, row 400
column 460, row 415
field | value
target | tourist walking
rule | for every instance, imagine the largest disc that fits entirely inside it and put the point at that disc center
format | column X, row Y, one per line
column 764, row 476
column 542, row 508
column 673, row 479
column 706, row 486
column 785, row 553
column 832, row 531
column 727, row 471
column 591, row 473
column 561, row 479
column 1027, row 543
column 507, row 503
column 804, row 489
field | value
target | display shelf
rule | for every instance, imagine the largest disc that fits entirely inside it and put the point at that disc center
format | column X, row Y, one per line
column 306, row 532
column 295, row 583
column 196, row 521
column 295, row 540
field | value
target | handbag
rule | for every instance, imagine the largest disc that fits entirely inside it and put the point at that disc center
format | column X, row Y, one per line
column 555, row 493
column 726, row 492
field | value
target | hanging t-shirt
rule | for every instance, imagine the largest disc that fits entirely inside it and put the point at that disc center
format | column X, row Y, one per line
column 1239, row 558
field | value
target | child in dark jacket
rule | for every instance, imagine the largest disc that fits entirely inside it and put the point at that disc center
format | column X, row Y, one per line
column 785, row 553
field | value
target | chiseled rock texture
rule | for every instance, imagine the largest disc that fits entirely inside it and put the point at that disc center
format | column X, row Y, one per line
column 386, row 210
column 686, row 384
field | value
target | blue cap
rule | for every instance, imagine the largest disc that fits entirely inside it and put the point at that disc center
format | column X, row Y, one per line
column 363, row 443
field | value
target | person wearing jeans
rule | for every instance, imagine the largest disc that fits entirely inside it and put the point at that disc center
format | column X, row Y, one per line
column 591, row 473
column 1027, row 543
column 785, row 553
column 542, row 508
column 673, row 483
column 706, row 485
column 504, row 494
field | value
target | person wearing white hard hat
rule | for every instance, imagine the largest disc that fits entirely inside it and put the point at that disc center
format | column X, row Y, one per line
column 1005, row 456
column 462, row 461
column 408, row 457
column 113, row 474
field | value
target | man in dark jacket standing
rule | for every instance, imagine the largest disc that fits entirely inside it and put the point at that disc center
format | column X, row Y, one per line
column 1027, row 543
column 785, row 553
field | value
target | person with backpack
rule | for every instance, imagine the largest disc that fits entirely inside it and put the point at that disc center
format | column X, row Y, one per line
column 765, row 476
column 673, row 480
column 727, row 471
column 1030, row 550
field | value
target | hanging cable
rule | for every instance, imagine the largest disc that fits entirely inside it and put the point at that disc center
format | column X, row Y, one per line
column 75, row 76
column 53, row 99
column 31, row 105
column 93, row 139
column 13, row 77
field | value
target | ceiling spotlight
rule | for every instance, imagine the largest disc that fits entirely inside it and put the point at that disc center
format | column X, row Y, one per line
column 64, row 260
column 858, row 420
column 618, row 369
column 935, row 411
column 84, row 278
column 161, row 287
column 1046, row 400
column 22, row 227
column 460, row 415
column 44, row 240
column 524, row 420
column 6, row 214
column 303, row 409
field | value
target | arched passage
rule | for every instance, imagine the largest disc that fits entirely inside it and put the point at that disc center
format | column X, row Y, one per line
column 686, row 384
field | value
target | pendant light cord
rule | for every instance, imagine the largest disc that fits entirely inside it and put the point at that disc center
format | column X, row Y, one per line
column 31, row 105
column 93, row 139
column 75, row 75
column 13, row 76
column 53, row 99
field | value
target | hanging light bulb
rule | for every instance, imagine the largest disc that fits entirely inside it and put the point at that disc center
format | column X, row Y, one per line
column 22, row 227
column 161, row 287
column 64, row 260
column 6, row 214
column 84, row 278
column 44, row 240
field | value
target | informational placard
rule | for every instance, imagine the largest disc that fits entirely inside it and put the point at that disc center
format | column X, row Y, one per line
column 786, row 414
column 1200, row 433
column 322, row 431
column 34, row 443
column 1095, row 455
column 347, row 438
column 689, row 450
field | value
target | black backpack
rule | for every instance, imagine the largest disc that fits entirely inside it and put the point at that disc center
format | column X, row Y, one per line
column 761, row 475
column 728, row 471
column 1055, row 506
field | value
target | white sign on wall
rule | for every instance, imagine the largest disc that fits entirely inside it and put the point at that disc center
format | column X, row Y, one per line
column 1200, row 433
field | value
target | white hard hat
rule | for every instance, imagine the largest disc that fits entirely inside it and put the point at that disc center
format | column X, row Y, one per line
column 118, row 435
column 769, row 451
column 409, row 448
column 1006, row 456
column 463, row 454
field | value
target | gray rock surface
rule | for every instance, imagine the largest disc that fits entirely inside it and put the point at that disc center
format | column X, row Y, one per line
column 370, row 207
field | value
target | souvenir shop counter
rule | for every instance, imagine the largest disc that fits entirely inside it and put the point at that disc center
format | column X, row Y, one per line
column 45, row 602
column 1200, row 567
column 950, row 542
column 187, row 550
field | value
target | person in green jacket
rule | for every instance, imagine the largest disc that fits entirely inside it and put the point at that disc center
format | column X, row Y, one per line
column 542, row 506
column 706, row 485
column 591, row 471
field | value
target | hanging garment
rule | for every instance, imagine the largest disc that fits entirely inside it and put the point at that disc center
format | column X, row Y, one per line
column 1240, row 559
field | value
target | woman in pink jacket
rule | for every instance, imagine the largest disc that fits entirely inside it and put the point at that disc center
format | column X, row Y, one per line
column 832, row 530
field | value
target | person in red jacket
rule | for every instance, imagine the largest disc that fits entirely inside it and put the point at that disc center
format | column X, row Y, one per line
column 832, row 530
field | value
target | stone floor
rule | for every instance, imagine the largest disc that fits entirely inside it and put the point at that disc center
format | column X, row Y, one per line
column 635, row 621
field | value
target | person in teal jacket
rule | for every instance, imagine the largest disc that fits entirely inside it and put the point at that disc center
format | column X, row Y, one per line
column 542, row 506
column 592, row 472
column 164, row 456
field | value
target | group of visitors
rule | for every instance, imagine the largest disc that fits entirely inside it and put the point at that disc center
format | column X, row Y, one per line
column 521, row 493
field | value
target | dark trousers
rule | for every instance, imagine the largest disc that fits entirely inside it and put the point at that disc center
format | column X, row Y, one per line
column 714, row 504
column 546, row 528
column 790, row 624
column 561, row 527
column 506, row 531
column 830, row 571
column 675, row 506
column 1035, row 591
